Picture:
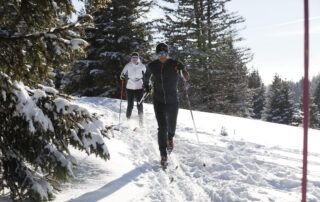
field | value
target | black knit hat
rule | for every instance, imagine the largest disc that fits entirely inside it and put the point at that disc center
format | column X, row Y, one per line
column 134, row 54
column 162, row 47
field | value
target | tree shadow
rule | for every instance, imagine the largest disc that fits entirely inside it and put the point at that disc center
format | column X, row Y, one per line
column 113, row 186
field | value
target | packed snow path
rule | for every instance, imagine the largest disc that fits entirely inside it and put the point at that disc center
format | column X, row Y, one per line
column 255, row 161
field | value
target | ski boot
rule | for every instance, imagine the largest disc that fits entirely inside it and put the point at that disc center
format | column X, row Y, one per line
column 164, row 162
column 170, row 145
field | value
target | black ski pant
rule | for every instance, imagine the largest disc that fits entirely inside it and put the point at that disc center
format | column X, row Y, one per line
column 131, row 95
column 166, row 115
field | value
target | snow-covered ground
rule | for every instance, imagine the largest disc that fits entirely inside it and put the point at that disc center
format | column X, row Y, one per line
column 255, row 161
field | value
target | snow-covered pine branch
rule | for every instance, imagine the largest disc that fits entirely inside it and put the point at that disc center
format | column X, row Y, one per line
column 38, row 43
column 51, row 32
column 37, row 128
column 30, row 54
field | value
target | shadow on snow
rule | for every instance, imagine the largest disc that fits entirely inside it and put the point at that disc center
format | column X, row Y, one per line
column 112, row 186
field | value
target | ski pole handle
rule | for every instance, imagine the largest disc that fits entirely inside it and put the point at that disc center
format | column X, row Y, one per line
column 121, row 93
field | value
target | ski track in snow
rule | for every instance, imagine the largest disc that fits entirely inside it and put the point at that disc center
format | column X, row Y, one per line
column 235, row 170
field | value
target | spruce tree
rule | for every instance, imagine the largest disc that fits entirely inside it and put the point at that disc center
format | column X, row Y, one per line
column 38, row 123
column 202, row 35
column 257, row 94
column 314, row 82
column 297, row 90
column 279, row 105
column 314, row 114
column 119, row 31
column 316, row 96
column 297, row 117
column 315, row 107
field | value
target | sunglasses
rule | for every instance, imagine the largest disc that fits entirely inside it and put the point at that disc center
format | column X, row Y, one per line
column 162, row 53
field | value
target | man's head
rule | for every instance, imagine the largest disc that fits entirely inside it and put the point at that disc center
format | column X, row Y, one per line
column 135, row 57
column 162, row 51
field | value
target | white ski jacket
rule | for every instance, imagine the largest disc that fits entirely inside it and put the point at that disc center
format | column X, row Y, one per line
column 134, row 73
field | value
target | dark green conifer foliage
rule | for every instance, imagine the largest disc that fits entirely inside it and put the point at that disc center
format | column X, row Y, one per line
column 257, row 94
column 119, row 31
column 314, row 114
column 202, row 35
column 279, row 106
column 316, row 96
column 37, row 124
column 315, row 107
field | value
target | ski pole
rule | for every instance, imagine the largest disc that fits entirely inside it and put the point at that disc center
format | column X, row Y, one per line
column 189, row 104
column 121, row 95
column 143, row 97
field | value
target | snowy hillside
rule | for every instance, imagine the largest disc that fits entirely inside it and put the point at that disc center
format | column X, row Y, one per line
column 255, row 161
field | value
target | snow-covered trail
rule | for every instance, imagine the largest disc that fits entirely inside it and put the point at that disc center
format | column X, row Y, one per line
column 236, row 169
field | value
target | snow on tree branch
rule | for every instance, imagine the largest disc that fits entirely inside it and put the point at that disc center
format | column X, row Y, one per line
column 38, row 126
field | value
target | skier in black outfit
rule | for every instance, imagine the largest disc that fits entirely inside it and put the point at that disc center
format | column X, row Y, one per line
column 165, row 74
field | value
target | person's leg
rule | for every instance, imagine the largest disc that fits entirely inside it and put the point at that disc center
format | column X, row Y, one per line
column 130, row 100
column 139, row 95
column 172, row 114
column 159, row 110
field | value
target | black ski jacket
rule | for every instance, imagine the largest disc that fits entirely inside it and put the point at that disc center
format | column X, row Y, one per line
column 165, row 79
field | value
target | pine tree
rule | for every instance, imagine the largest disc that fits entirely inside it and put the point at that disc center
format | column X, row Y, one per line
column 297, row 116
column 279, row 106
column 314, row 82
column 316, row 96
column 257, row 92
column 119, row 31
column 297, row 90
column 314, row 115
column 37, row 123
column 315, row 108
column 201, row 34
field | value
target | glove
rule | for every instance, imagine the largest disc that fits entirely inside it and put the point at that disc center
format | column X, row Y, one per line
column 122, row 77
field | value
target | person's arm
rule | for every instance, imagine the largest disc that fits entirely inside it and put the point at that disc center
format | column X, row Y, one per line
column 146, row 79
column 143, row 70
column 124, row 73
column 183, row 72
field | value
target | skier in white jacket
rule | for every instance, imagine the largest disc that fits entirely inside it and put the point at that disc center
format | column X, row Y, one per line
column 133, row 72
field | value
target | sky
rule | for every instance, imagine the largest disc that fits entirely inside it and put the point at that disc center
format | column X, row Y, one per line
column 273, row 30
